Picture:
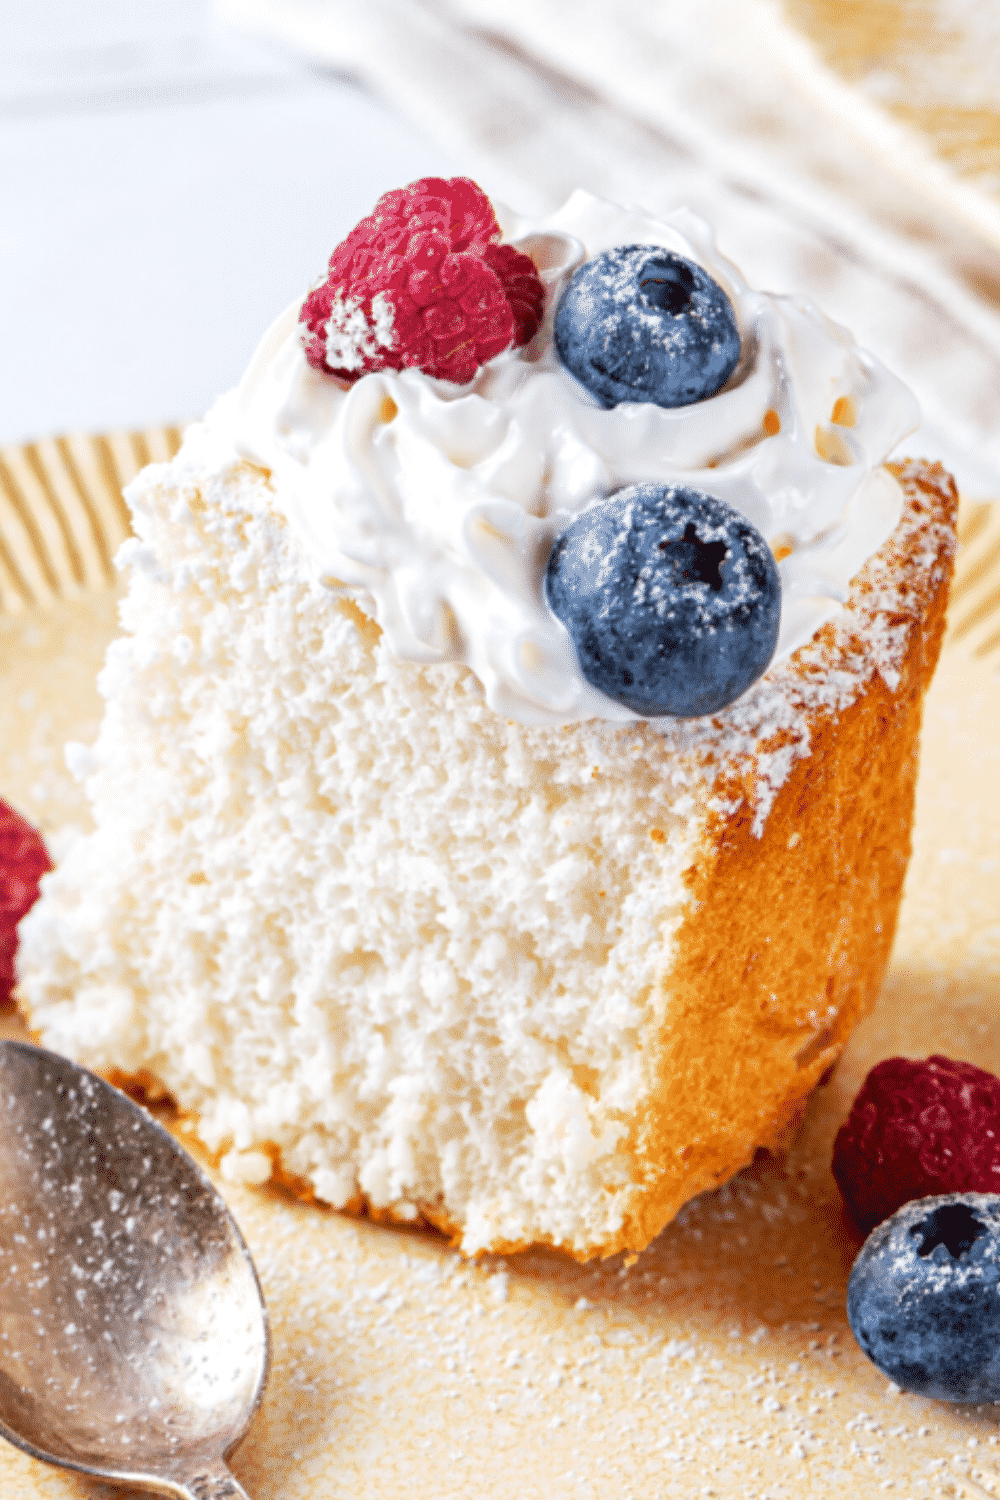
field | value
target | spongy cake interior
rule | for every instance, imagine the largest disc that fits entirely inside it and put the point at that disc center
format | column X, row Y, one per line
column 341, row 908
column 532, row 985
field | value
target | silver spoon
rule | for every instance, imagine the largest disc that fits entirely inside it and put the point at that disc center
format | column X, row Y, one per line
column 133, row 1334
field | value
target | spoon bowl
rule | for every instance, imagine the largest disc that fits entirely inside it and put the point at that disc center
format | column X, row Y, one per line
column 133, row 1334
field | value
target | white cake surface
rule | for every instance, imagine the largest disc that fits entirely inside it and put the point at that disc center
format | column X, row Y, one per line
column 342, row 909
column 287, row 819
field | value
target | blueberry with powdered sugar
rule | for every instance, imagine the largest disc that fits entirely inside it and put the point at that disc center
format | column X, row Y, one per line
column 923, row 1300
column 671, row 597
column 639, row 323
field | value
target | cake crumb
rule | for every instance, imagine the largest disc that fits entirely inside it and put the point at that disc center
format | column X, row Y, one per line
column 250, row 1168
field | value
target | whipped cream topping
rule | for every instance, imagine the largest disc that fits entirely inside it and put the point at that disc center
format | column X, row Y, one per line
column 436, row 505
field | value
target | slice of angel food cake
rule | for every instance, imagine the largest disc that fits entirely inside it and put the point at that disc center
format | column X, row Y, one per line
column 504, row 790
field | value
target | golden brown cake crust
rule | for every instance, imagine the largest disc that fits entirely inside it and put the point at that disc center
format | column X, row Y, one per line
column 741, row 1046
column 826, row 876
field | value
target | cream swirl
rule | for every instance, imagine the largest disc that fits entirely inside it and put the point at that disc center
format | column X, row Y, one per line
column 437, row 505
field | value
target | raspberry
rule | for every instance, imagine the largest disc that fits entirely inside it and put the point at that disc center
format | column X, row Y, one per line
column 918, row 1130
column 23, row 861
column 422, row 284
column 522, row 288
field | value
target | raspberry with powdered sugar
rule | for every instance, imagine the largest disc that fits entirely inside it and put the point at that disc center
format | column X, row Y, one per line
column 918, row 1129
column 422, row 283
column 23, row 862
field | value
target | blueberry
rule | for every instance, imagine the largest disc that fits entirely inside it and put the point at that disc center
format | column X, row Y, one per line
column 924, row 1297
column 672, row 599
column 640, row 323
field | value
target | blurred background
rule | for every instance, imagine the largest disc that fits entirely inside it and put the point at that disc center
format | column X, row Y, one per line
column 174, row 172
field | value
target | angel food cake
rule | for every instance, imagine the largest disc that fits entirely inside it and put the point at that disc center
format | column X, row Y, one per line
column 503, row 797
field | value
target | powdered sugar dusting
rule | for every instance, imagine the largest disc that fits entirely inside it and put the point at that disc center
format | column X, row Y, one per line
column 758, row 740
column 655, row 1377
column 351, row 340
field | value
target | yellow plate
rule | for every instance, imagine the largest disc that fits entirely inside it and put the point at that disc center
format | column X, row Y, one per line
column 720, row 1362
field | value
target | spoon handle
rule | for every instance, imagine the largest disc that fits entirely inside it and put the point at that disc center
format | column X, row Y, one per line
column 214, row 1483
